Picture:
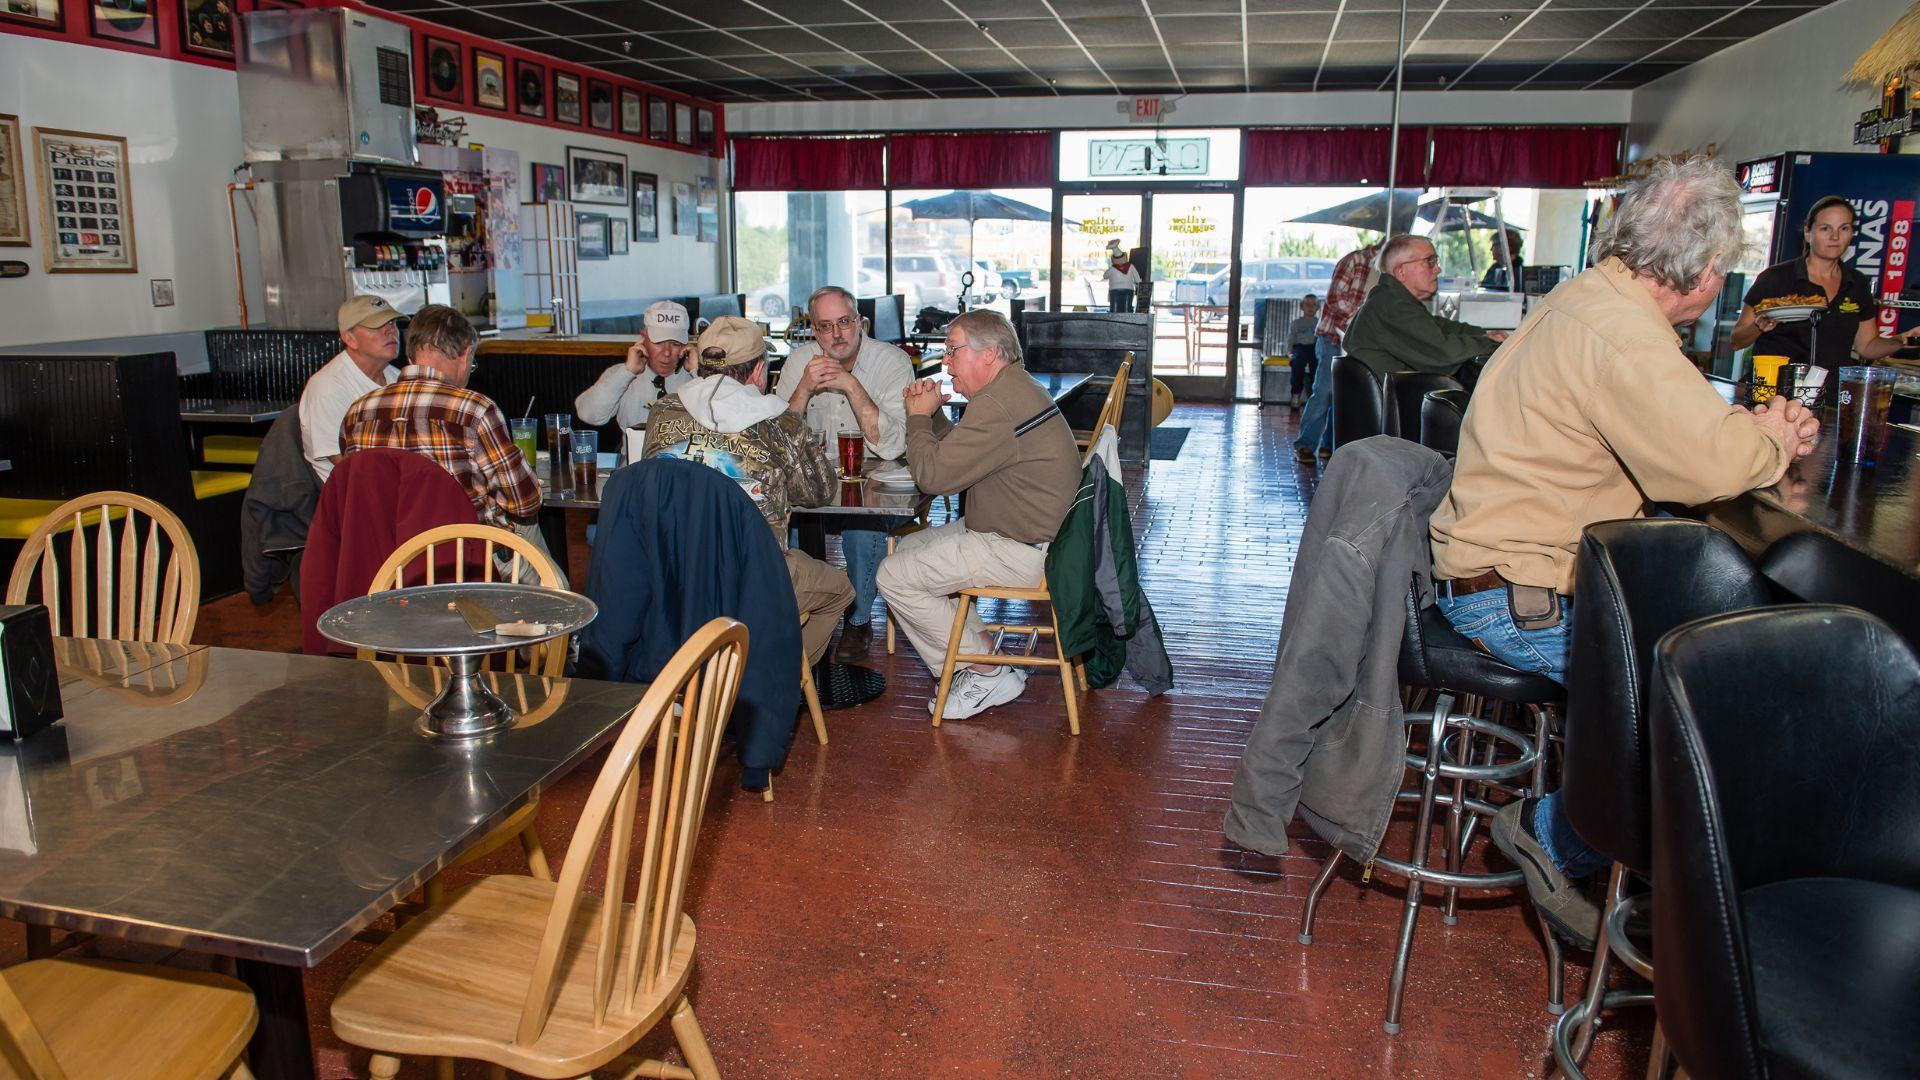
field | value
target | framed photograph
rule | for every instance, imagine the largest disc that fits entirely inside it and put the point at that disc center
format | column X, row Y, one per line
column 597, row 176
column 45, row 13
column 86, row 208
column 660, row 119
column 489, row 80
column 683, row 210
column 683, row 123
column 646, row 208
column 206, row 27
column 549, row 183
column 566, row 97
column 591, row 231
column 707, row 210
column 703, row 129
column 13, row 186
column 599, row 105
column 618, row 244
column 440, row 70
column 129, row 22
column 633, row 114
column 529, row 89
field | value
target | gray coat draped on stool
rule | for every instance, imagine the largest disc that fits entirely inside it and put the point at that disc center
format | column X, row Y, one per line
column 1329, row 740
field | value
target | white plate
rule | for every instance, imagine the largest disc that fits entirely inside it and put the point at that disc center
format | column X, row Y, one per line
column 1796, row 313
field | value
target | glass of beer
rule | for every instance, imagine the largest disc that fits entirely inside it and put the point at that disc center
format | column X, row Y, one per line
column 526, row 436
column 1866, row 393
column 853, row 451
column 586, row 462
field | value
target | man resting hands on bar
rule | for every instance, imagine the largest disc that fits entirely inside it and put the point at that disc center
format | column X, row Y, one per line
column 1590, row 412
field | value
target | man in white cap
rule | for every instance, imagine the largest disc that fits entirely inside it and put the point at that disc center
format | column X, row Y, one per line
column 656, row 365
column 368, row 330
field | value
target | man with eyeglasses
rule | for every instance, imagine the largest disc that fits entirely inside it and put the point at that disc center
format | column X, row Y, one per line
column 841, row 382
column 1395, row 331
column 658, row 364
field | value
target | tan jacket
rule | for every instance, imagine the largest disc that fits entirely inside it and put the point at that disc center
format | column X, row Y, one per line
column 1019, row 483
column 1588, row 413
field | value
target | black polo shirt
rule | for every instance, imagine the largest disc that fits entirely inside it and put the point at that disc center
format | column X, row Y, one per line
column 1838, row 326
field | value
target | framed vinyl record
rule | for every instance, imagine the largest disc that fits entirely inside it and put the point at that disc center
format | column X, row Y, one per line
column 529, row 89
column 599, row 105
column 34, row 12
column 440, row 70
column 633, row 113
column 129, row 22
column 566, row 97
column 489, row 80
column 206, row 27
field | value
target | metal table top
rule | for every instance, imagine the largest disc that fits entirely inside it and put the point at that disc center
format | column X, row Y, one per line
column 1059, row 385
column 568, row 498
column 869, row 498
column 273, row 804
column 421, row 621
column 224, row 411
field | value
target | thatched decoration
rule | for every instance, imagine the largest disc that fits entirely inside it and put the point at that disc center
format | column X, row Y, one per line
column 1891, row 54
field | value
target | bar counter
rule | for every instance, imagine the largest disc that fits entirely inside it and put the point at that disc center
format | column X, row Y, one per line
column 542, row 342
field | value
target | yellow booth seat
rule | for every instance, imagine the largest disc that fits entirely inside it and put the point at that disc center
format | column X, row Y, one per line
column 19, row 517
column 209, row 484
column 230, row 449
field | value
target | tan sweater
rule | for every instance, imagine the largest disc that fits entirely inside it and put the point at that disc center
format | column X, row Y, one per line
column 1588, row 413
column 1019, row 486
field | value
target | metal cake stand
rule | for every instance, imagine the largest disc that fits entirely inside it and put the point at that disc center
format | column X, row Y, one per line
column 422, row 622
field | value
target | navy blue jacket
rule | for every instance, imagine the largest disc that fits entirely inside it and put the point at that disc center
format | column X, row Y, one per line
column 679, row 544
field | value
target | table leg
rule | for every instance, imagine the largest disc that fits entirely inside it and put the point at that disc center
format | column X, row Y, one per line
column 281, row 1048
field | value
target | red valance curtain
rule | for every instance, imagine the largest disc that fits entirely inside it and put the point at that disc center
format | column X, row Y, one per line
column 973, row 159
column 1330, row 156
column 808, row 164
column 1524, row 157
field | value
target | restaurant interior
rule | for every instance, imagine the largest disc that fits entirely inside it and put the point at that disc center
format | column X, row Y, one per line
column 303, row 777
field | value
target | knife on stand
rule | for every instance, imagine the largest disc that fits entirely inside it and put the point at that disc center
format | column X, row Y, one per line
column 479, row 619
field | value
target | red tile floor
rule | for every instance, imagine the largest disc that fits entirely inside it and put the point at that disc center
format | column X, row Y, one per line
column 999, row 899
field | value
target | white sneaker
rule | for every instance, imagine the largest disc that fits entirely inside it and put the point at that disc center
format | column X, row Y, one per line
column 983, row 692
column 960, row 678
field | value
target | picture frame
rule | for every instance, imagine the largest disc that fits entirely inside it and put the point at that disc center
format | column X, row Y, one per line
column 549, row 183
column 590, row 230
column 442, row 75
column 703, row 126
column 596, row 176
column 278, row 5
column 43, row 13
column 682, row 123
column 617, row 243
column 600, row 104
column 206, row 27
column 646, row 208
column 489, row 80
column 125, row 22
column 633, row 112
column 707, row 210
column 86, row 206
column 14, row 228
column 529, row 89
column 566, row 97
column 659, row 119
column 684, row 210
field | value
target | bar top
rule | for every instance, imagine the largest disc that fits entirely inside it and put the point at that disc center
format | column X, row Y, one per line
column 543, row 342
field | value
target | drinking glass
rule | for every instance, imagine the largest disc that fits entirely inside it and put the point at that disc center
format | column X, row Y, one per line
column 559, row 426
column 853, row 451
column 1866, row 393
column 586, row 461
column 526, row 436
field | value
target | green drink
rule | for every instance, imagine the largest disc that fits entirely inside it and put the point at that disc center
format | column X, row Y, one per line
column 526, row 436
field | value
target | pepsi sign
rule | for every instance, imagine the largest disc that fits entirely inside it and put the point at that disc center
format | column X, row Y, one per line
column 415, row 206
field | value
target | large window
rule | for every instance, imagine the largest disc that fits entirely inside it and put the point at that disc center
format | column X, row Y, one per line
column 792, row 242
column 1003, row 237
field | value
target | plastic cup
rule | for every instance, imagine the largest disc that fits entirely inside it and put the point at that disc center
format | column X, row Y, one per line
column 559, row 426
column 1866, row 393
column 1766, row 370
column 526, row 436
column 586, row 461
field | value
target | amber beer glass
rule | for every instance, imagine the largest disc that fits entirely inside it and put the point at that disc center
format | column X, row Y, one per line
column 853, row 451
column 1866, row 393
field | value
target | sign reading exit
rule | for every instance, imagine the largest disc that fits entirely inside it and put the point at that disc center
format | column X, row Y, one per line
column 1147, row 157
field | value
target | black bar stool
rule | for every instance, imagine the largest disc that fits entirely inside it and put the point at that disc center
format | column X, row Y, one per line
column 1462, row 748
column 1359, row 402
column 1635, row 580
column 1404, row 392
column 1442, row 412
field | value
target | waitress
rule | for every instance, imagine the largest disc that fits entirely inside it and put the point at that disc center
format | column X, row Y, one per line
column 1848, row 325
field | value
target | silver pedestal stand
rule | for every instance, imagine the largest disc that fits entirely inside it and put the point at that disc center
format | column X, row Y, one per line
column 422, row 621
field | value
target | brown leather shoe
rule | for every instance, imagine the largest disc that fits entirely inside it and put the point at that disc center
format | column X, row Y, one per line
column 855, row 642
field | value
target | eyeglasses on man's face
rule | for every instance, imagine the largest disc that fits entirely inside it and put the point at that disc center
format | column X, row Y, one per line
column 842, row 324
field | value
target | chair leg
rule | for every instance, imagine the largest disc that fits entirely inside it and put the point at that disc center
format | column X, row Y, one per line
column 890, row 633
column 946, row 665
column 1602, row 963
column 1069, row 680
column 436, row 891
column 496, row 1072
column 1422, row 837
column 1658, row 1062
column 39, row 942
column 1080, row 670
column 383, row 1067
column 537, row 864
column 693, row 1045
column 443, row 1069
column 240, row 1071
column 1556, row 974
column 812, row 695
column 1542, row 743
column 1313, row 896
column 767, row 795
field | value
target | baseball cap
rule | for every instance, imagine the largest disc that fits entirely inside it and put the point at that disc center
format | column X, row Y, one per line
column 733, row 340
column 368, row 311
column 666, row 321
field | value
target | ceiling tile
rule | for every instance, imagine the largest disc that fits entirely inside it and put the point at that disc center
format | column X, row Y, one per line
column 1202, row 29
column 944, row 34
column 1208, row 56
column 1289, row 27
column 635, row 16
column 1130, row 56
column 1028, row 33
column 1362, row 26
column 1114, row 30
column 1578, row 23
column 915, row 62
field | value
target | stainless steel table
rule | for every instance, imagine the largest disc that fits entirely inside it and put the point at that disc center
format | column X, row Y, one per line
column 264, row 806
column 1059, row 385
column 225, row 411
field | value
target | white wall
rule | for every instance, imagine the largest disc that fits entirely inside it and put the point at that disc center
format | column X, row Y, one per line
column 1779, row 91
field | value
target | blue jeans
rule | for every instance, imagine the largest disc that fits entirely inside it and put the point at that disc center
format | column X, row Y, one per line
column 1485, row 618
column 864, row 549
column 1316, row 420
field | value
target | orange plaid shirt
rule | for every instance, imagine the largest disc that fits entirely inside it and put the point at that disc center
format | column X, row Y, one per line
column 462, row 430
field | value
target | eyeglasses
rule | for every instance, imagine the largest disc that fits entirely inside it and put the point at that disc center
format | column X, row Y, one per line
column 1431, row 260
column 842, row 324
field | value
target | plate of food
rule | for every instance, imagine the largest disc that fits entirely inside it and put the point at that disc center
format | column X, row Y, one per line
column 1790, row 308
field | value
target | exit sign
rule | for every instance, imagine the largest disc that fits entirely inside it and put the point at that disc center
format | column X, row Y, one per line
column 1147, row 157
column 1147, row 110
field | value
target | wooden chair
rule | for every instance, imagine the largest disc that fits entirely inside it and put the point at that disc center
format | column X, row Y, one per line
column 546, row 659
column 1110, row 409
column 545, row 978
column 118, row 587
column 808, row 691
column 96, row 1018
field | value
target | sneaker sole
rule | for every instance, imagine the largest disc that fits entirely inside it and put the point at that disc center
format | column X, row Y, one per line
column 1538, row 882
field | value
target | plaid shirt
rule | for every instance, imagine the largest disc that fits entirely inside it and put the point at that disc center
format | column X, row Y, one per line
column 1349, row 288
column 462, row 430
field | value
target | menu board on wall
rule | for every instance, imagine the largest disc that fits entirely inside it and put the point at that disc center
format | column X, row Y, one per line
column 13, row 185
column 86, row 208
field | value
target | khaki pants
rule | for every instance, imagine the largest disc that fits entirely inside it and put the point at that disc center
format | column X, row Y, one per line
column 926, row 571
column 822, row 592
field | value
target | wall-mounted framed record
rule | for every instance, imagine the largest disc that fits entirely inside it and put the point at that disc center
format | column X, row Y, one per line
column 129, row 22
column 659, row 119
column 440, row 70
column 45, row 13
column 529, row 89
column 600, row 104
column 633, row 112
column 206, row 27
column 566, row 97
column 489, row 80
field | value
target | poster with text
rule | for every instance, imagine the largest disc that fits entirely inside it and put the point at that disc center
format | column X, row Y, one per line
column 709, row 212
column 13, row 186
column 86, row 208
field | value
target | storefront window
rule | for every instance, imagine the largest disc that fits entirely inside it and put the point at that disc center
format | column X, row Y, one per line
column 792, row 242
column 1003, row 236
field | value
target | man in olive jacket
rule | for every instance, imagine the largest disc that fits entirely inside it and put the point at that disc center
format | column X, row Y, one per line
column 1394, row 331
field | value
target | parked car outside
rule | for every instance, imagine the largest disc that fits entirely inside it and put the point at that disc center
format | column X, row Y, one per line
column 935, row 274
column 1288, row 277
column 773, row 303
column 1191, row 286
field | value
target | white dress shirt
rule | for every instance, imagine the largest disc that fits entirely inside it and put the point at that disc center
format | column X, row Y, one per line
column 882, row 370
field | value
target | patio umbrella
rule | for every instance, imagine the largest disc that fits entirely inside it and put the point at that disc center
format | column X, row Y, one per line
column 1367, row 212
column 972, row 206
column 1459, row 218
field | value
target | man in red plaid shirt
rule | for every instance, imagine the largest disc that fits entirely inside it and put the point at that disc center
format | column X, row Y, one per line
column 429, row 410
column 1349, row 288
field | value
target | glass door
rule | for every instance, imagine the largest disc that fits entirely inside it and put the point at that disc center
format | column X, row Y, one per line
column 1196, row 325
column 1094, row 227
